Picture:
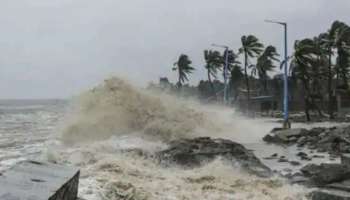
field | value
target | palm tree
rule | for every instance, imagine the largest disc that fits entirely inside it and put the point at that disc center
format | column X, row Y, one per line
column 340, row 40
column 251, row 47
column 235, row 79
column 302, row 62
column 266, row 63
column 213, row 64
column 326, row 50
column 184, row 68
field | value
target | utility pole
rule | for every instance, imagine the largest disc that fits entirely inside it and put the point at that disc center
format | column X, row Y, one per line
column 286, row 123
column 225, row 72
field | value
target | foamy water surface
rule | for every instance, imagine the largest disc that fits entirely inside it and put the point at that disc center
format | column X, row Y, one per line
column 94, row 134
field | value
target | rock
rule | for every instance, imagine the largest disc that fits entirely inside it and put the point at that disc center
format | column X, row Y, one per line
column 322, row 135
column 294, row 163
column 330, row 195
column 326, row 173
column 189, row 153
column 282, row 160
column 306, row 158
column 298, row 178
column 274, row 155
column 302, row 141
column 302, row 154
column 271, row 139
column 292, row 139
column 276, row 129
column 285, row 135
column 316, row 131
column 318, row 156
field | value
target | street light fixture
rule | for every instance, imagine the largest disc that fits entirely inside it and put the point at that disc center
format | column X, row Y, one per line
column 225, row 71
column 286, row 123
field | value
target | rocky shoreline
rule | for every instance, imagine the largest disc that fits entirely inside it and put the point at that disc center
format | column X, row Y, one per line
column 330, row 180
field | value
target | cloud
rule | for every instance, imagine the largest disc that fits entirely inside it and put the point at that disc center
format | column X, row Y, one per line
column 57, row 48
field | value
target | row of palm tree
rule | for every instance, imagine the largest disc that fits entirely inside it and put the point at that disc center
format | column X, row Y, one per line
column 322, row 59
column 215, row 61
column 325, row 58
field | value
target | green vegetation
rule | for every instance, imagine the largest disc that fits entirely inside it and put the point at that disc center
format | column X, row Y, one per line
column 319, row 68
column 183, row 66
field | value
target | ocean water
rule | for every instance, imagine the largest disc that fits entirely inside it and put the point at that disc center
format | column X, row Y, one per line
column 25, row 127
column 95, row 130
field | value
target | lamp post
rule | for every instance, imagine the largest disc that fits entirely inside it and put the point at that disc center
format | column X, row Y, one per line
column 286, row 123
column 225, row 71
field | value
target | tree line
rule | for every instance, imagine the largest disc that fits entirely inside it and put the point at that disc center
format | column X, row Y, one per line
column 323, row 59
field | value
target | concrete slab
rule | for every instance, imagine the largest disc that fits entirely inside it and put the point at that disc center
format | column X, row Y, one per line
column 32, row 180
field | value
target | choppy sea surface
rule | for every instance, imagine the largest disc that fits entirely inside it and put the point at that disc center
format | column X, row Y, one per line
column 25, row 127
column 30, row 129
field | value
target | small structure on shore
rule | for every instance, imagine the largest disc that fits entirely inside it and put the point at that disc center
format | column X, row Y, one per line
column 32, row 180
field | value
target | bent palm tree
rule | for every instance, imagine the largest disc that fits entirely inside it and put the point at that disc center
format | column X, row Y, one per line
column 301, row 65
column 266, row 64
column 213, row 64
column 251, row 47
column 184, row 68
column 340, row 40
column 326, row 50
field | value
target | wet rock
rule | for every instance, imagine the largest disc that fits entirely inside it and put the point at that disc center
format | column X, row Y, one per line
column 294, row 163
column 285, row 135
column 298, row 178
column 330, row 195
column 322, row 135
column 281, row 160
column 318, row 156
column 302, row 154
column 292, row 139
column 276, row 129
column 274, row 155
column 326, row 173
column 302, row 141
column 316, row 131
column 196, row 152
column 332, row 140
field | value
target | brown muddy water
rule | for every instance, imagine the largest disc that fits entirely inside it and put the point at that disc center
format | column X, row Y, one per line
column 92, row 131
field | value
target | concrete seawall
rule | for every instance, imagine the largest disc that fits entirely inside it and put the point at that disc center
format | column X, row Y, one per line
column 32, row 180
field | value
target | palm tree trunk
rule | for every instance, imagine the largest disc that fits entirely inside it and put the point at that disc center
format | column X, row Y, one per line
column 211, row 83
column 265, row 84
column 246, row 77
column 179, row 81
column 330, row 79
column 307, row 100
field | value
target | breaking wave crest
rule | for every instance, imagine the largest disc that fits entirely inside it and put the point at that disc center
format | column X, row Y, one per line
column 116, row 108
column 115, row 118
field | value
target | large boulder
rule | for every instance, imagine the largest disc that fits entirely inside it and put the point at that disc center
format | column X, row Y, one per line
column 326, row 173
column 285, row 136
column 196, row 152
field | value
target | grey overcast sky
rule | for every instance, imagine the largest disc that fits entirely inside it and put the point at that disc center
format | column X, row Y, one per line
column 56, row 48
